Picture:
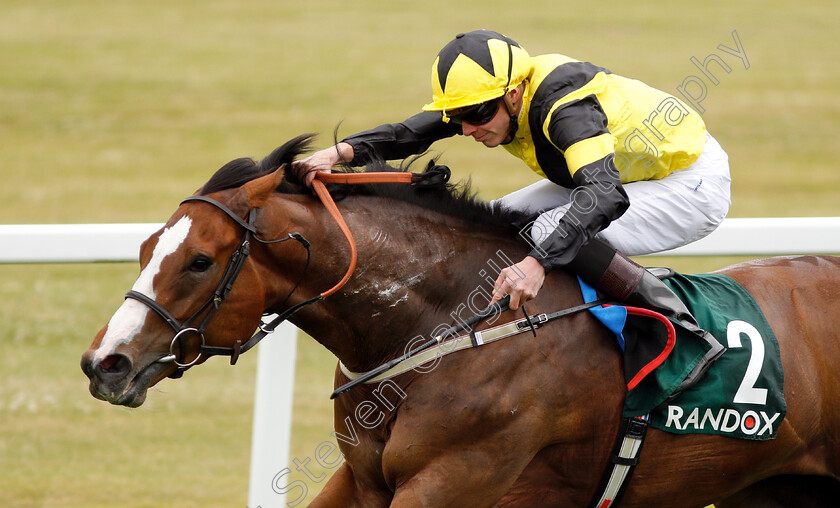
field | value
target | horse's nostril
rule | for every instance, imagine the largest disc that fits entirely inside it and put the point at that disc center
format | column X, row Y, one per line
column 114, row 365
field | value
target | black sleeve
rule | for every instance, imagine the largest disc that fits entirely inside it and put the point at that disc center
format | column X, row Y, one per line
column 597, row 200
column 400, row 140
column 598, row 197
column 577, row 121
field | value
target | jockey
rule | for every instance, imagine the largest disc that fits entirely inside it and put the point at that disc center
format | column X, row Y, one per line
column 629, row 170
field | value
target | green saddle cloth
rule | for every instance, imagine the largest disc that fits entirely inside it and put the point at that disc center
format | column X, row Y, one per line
column 741, row 395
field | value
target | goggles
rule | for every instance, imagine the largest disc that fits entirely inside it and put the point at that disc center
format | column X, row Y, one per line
column 479, row 114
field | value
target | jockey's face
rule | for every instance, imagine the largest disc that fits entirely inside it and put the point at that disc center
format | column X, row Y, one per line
column 493, row 132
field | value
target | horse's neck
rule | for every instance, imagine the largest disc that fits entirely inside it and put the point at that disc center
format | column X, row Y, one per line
column 417, row 270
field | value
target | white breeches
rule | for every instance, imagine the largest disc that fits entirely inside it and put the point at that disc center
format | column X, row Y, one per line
column 664, row 214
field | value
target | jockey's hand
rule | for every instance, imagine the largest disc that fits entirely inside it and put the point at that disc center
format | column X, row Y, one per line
column 521, row 281
column 322, row 161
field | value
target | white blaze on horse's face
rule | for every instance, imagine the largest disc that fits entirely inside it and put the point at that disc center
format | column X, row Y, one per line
column 127, row 322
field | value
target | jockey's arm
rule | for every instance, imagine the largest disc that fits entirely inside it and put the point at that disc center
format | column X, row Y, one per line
column 386, row 142
column 323, row 161
column 598, row 199
column 400, row 140
column 579, row 130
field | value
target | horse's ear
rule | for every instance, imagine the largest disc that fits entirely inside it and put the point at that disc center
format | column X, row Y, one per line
column 257, row 191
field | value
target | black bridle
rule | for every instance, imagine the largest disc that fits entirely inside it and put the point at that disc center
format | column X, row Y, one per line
column 433, row 176
column 223, row 289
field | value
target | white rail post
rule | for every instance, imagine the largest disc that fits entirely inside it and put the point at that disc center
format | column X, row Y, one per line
column 272, row 415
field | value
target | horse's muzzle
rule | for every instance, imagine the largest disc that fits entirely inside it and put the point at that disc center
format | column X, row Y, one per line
column 116, row 379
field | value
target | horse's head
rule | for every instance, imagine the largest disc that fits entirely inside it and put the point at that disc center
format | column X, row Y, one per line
column 185, row 297
column 185, row 304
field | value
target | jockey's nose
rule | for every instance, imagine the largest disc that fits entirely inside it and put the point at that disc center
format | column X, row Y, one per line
column 468, row 128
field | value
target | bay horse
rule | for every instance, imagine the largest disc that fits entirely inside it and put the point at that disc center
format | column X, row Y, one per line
column 521, row 422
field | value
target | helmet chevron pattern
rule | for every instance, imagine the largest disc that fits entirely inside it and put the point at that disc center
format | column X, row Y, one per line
column 476, row 67
column 475, row 48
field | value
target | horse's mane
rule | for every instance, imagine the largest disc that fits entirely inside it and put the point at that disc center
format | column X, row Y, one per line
column 455, row 200
column 238, row 172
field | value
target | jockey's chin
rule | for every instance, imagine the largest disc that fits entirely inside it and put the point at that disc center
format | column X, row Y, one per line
column 489, row 139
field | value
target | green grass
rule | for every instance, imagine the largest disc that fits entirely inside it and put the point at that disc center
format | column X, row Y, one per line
column 114, row 111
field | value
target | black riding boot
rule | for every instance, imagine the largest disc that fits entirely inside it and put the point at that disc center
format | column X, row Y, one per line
column 619, row 277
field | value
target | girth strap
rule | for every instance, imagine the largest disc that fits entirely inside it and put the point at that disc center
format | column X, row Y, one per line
column 623, row 460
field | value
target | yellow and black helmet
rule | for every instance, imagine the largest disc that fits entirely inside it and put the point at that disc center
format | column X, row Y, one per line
column 476, row 67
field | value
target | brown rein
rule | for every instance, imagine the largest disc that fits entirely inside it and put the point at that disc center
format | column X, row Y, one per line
column 318, row 184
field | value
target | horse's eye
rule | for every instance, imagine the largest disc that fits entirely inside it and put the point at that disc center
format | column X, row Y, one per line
column 200, row 264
